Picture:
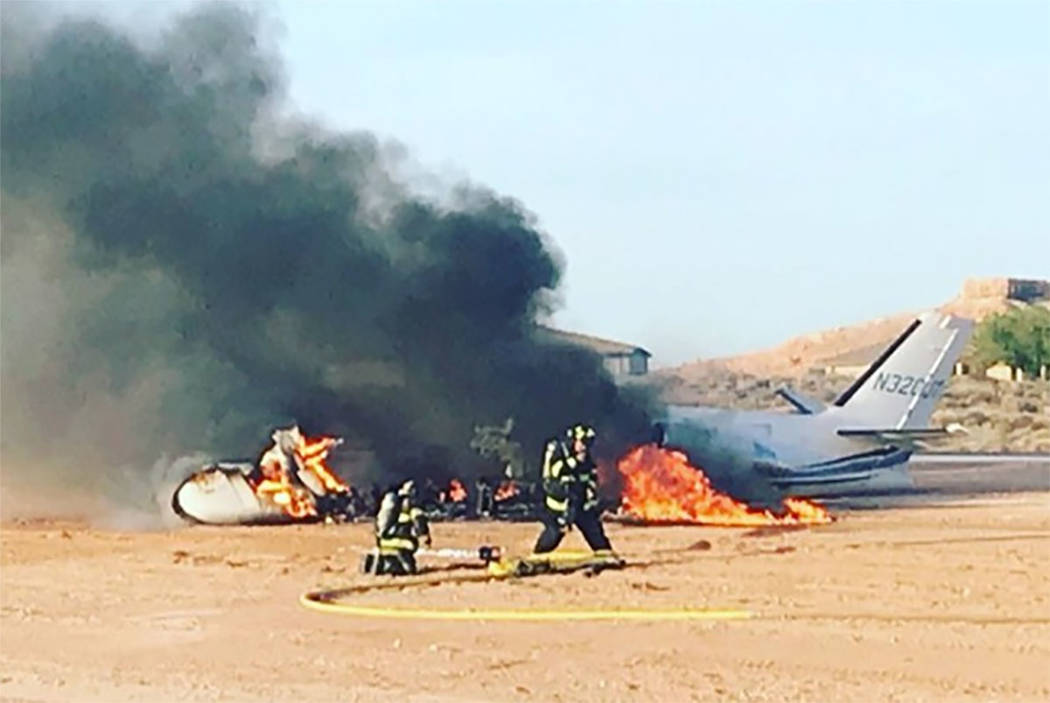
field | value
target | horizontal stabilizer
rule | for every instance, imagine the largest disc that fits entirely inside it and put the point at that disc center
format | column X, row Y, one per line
column 902, row 435
column 805, row 405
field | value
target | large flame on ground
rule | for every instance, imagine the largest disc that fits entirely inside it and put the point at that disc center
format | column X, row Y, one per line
column 660, row 485
column 291, row 498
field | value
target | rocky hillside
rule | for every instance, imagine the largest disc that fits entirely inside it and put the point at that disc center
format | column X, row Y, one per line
column 999, row 415
column 979, row 298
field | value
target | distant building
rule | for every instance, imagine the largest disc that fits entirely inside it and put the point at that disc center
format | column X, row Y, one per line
column 1023, row 289
column 620, row 359
column 1004, row 372
column 999, row 371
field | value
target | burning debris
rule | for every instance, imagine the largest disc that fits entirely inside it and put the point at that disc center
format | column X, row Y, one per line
column 272, row 478
column 291, row 482
column 661, row 486
column 505, row 491
column 456, row 493
column 450, row 503
column 505, row 500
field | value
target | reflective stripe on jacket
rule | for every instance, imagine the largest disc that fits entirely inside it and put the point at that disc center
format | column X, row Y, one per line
column 400, row 524
column 564, row 475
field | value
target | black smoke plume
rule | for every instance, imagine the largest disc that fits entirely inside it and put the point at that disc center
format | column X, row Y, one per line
column 184, row 268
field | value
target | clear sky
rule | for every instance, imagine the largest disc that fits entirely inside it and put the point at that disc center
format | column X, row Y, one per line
column 719, row 175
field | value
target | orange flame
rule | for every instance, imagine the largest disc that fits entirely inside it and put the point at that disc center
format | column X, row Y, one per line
column 660, row 485
column 505, row 491
column 456, row 491
column 312, row 454
column 294, row 501
column 276, row 485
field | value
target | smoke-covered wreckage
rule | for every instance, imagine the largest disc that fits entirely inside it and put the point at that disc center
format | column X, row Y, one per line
column 292, row 482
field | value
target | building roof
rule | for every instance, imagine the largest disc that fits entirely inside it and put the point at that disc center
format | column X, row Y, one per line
column 605, row 347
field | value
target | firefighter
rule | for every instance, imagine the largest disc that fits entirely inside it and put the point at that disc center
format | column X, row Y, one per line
column 400, row 526
column 570, row 494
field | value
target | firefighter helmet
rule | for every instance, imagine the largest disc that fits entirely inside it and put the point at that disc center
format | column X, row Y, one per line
column 583, row 433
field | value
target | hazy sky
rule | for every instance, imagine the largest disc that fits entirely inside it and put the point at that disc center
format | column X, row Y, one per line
column 719, row 175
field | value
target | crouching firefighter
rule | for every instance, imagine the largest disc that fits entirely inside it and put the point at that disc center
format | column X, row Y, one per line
column 570, row 494
column 400, row 526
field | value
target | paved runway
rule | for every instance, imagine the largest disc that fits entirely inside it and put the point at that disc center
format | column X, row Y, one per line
column 940, row 477
column 981, row 473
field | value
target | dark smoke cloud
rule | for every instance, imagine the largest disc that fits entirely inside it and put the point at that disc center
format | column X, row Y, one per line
column 183, row 269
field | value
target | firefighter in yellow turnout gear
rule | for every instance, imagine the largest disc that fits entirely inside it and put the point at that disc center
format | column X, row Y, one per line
column 570, row 494
column 400, row 526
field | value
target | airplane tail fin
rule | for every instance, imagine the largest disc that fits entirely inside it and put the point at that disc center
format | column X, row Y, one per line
column 902, row 387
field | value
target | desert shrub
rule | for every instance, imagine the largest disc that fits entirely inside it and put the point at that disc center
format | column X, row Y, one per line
column 1019, row 337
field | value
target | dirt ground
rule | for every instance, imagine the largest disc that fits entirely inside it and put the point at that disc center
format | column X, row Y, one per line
column 946, row 602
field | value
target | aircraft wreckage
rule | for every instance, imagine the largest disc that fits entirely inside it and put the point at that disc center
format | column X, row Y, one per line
column 292, row 482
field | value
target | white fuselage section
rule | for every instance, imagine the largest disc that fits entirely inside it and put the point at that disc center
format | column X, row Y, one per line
column 787, row 453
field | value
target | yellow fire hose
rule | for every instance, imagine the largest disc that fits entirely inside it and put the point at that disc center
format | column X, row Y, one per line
column 311, row 600
column 330, row 601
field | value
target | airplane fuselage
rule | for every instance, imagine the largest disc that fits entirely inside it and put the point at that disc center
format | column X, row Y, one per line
column 767, row 454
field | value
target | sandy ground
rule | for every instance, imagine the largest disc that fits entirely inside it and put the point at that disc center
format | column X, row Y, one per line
column 945, row 602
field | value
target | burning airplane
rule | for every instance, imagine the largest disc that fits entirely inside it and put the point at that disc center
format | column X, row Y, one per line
column 861, row 443
column 290, row 483
column 660, row 486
